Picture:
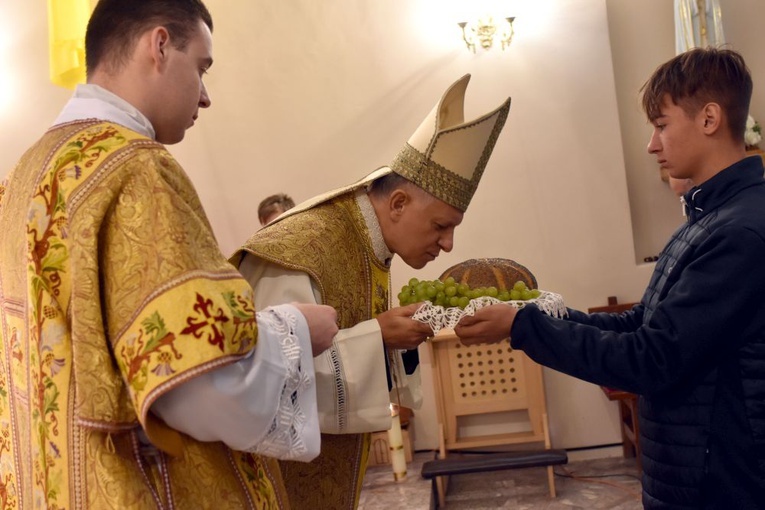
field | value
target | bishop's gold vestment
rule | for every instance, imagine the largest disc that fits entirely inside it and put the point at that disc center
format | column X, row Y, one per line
column 330, row 243
column 113, row 291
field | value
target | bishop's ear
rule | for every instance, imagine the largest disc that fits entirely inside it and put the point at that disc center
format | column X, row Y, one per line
column 398, row 200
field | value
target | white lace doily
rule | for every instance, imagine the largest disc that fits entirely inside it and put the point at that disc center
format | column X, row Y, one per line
column 440, row 318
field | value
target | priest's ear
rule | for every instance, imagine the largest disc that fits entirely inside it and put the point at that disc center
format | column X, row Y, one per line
column 154, row 46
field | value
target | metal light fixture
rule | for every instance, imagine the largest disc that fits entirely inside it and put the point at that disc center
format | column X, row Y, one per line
column 485, row 31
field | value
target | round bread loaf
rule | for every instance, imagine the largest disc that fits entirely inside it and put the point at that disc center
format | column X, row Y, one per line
column 499, row 273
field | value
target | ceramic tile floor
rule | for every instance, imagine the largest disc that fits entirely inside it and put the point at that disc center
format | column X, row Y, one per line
column 519, row 489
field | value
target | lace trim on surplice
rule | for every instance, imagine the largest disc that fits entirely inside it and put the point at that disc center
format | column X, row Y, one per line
column 283, row 439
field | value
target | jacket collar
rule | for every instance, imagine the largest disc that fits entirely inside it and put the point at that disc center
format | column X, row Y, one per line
column 702, row 199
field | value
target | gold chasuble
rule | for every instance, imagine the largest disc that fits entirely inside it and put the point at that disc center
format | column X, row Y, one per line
column 331, row 243
column 100, row 324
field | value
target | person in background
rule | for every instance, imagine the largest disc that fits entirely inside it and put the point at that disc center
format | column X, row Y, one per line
column 694, row 348
column 337, row 249
column 272, row 206
column 135, row 372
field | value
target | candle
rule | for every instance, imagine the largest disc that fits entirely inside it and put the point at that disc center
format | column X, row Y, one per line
column 396, row 445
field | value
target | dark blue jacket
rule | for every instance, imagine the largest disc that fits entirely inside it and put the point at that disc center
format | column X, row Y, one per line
column 693, row 349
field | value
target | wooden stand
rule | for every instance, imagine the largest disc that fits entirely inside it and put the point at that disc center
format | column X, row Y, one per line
column 629, row 424
column 484, row 379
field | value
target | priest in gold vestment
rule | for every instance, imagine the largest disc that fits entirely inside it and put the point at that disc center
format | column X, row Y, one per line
column 336, row 249
column 134, row 370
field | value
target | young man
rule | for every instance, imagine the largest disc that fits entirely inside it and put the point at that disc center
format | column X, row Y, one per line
column 694, row 348
column 134, row 371
column 336, row 249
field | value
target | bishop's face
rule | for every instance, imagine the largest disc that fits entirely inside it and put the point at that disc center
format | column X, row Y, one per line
column 420, row 226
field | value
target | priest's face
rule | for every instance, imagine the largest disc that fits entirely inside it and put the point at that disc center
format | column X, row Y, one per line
column 183, row 92
column 419, row 226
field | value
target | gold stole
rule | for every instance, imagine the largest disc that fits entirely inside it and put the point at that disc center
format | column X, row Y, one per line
column 330, row 242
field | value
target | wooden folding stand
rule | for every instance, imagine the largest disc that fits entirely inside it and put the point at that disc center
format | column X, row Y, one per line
column 628, row 421
column 480, row 380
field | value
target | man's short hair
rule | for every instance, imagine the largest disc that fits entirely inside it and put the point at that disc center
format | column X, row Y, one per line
column 700, row 76
column 384, row 186
column 274, row 203
column 115, row 26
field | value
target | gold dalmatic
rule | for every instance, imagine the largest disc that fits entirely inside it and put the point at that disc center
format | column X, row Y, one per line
column 331, row 243
column 113, row 291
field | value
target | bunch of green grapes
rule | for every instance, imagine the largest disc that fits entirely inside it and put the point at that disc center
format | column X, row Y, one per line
column 449, row 293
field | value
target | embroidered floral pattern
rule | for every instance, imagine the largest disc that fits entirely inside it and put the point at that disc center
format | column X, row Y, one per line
column 152, row 348
column 48, row 256
column 379, row 299
column 7, row 486
column 207, row 321
column 256, row 477
column 135, row 355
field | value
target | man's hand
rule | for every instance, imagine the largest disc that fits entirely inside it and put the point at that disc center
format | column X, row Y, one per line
column 489, row 325
column 322, row 324
column 400, row 331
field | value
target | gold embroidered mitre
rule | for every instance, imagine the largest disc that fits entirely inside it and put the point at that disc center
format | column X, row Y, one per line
column 446, row 156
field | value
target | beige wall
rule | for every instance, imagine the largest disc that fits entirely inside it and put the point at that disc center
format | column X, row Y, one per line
column 309, row 95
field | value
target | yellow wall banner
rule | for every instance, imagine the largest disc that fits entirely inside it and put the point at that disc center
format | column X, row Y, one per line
column 67, row 21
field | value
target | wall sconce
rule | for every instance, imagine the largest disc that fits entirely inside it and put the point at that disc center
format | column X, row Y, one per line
column 486, row 31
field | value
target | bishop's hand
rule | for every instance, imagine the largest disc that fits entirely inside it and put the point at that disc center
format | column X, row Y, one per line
column 400, row 331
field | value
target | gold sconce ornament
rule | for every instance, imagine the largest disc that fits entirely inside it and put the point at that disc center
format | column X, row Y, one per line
column 485, row 31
